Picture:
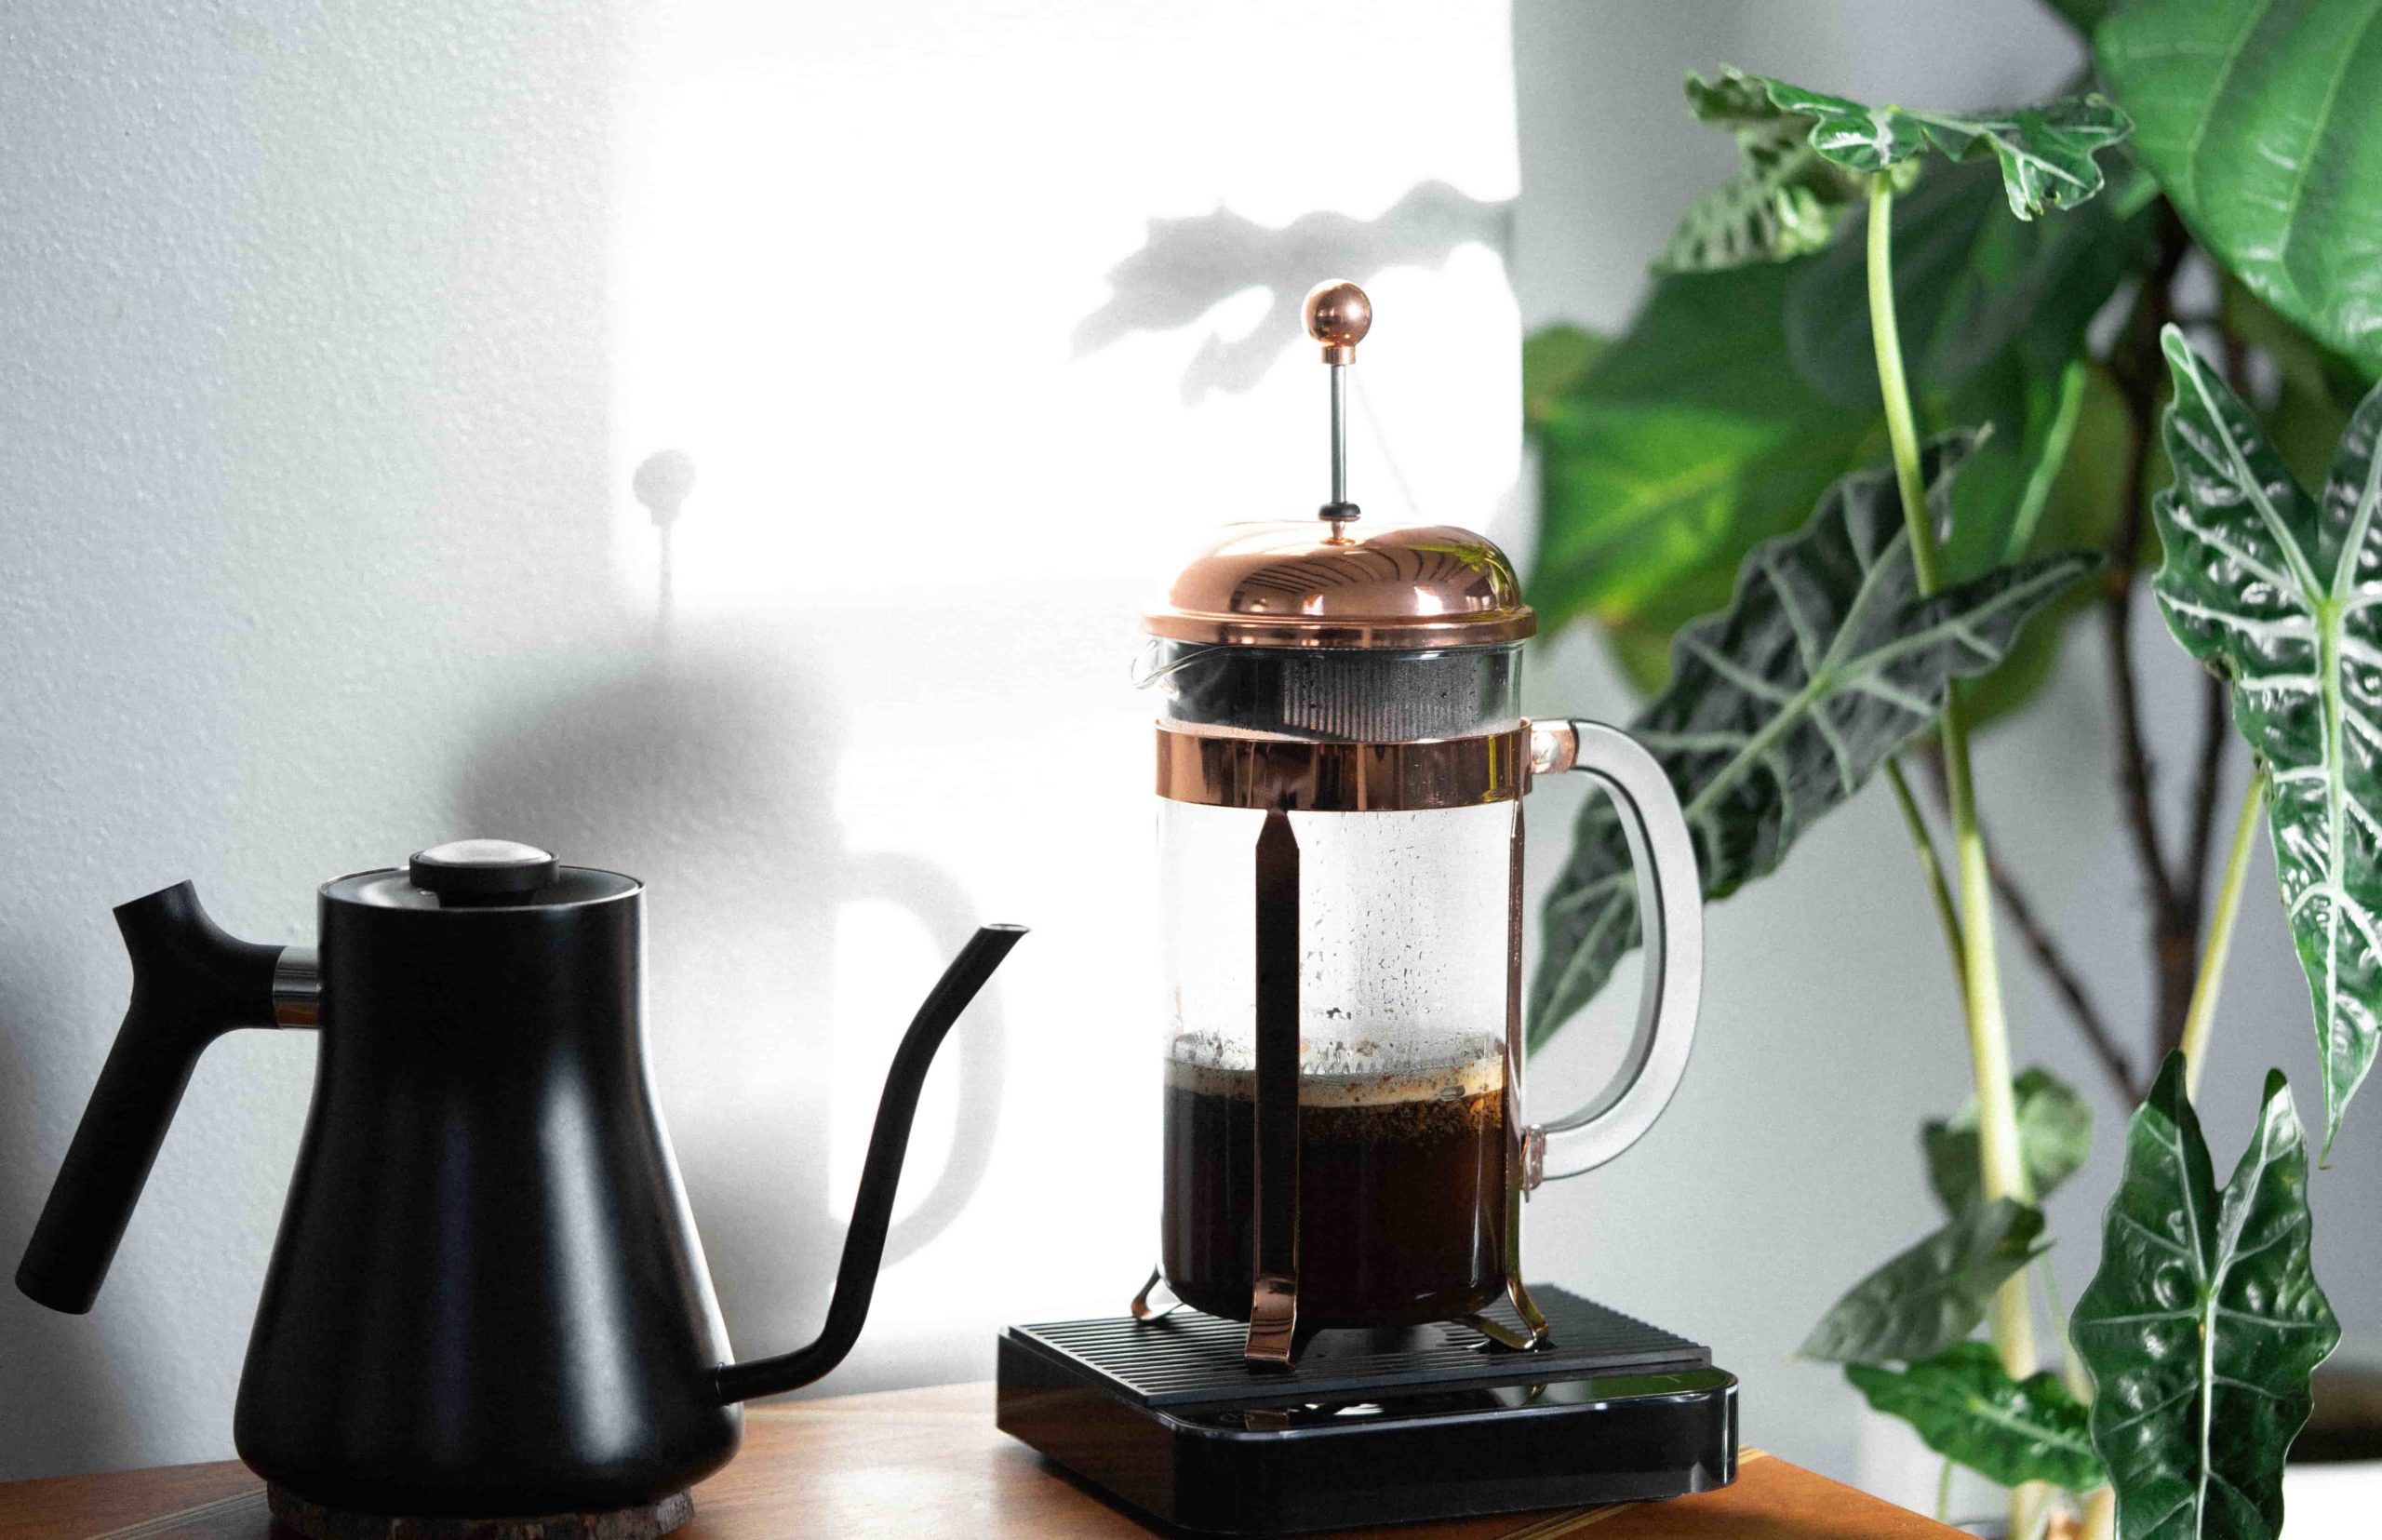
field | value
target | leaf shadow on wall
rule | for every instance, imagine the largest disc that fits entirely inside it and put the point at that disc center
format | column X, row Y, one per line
column 1187, row 267
column 706, row 768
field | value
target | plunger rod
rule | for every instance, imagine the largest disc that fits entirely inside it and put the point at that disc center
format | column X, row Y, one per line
column 1337, row 317
column 1339, row 434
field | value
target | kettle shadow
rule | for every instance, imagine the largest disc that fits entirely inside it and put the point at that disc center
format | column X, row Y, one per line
column 1186, row 267
column 707, row 771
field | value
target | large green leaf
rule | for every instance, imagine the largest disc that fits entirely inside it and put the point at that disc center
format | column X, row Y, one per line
column 1932, row 1296
column 1677, row 451
column 2315, row 387
column 1970, row 285
column 2059, row 485
column 1666, row 457
column 2054, row 1134
column 1993, row 316
column 1825, row 662
column 1967, row 1408
column 2203, row 1323
column 2283, row 594
column 1555, row 359
column 1786, row 201
column 2260, row 119
column 2045, row 153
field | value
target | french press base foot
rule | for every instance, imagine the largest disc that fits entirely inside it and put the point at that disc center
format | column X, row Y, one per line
column 317, row 1522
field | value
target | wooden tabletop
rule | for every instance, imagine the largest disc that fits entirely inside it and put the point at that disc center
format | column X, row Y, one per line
column 930, row 1463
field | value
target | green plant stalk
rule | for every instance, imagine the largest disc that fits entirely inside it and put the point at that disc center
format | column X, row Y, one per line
column 1922, row 844
column 2003, row 1172
column 1902, row 427
column 2211, row 978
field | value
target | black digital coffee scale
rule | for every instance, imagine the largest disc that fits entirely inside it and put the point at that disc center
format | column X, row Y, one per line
column 1370, row 1428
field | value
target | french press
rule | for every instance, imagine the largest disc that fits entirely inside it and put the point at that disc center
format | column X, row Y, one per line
column 487, row 1309
column 1342, row 760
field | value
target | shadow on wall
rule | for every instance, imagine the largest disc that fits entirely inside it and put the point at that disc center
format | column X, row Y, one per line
column 706, row 769
column 1187, row 267
column 81, row 1404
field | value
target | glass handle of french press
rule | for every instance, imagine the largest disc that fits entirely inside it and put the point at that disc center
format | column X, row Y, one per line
column 1670, row 901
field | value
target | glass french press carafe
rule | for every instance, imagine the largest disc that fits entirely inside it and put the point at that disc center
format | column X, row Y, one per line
column 1341, row 764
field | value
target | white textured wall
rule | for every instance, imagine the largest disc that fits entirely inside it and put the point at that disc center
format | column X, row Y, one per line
column 305, row 406
column 332, row 342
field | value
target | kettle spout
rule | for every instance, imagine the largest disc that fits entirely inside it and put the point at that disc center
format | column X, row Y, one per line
column 880, row 1177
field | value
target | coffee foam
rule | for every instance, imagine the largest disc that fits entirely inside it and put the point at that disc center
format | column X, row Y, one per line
column 1347, row 1072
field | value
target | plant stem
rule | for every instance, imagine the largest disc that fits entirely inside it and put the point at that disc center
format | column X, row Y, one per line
column 2002, row 1172
column 1944, row 1494
column 2140, row 370
column 1922, row 844
column 2202, row 1015
column 1902, row 430
column 2055, row 964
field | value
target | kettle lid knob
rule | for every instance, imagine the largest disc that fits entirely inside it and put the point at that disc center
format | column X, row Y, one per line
column 482, row 868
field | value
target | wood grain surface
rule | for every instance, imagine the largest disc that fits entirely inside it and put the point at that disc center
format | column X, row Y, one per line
column 930, row 1463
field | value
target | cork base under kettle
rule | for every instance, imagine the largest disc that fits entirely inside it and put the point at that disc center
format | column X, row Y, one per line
column 317, row 1522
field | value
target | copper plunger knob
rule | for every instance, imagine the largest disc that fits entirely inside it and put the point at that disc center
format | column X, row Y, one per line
column 1338, row 316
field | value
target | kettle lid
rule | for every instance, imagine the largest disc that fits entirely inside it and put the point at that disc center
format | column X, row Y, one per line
column 481, row 873
column 482, row 868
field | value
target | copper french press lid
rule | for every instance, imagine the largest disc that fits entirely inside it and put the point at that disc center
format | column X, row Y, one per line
column 1328, row 582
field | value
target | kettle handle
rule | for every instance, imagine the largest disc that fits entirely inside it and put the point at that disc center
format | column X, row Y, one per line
column 192, row 982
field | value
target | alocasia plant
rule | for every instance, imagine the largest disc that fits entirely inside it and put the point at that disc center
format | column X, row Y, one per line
column 2281, row 593
column 2046, row 153
column 1931, row 1296
column 2205, row 1322
column 2055, row 1133
column 1827, row 661
column 1967, row 1408
column 1787, row 344
column 1972, row 287
column 1785, row 201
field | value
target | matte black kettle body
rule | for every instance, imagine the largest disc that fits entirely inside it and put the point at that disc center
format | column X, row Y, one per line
column 487, row 1299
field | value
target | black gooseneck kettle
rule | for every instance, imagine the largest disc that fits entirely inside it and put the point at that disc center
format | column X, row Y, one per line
column 486, row 1300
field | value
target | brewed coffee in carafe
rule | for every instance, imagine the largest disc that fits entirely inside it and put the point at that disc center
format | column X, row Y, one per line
column 1341, row 764
column 1414, row 1158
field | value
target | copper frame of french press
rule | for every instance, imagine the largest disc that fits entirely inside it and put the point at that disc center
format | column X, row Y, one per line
column 1283, row 776
column 1427, row 591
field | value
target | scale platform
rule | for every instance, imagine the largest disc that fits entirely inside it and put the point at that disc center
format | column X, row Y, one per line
column 1370, row 1428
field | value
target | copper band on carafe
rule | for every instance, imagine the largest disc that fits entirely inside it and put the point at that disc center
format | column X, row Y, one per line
column 1303, row 775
